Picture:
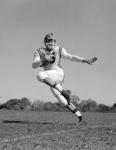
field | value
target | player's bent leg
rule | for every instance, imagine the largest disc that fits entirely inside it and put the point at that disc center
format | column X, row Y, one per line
column 67, row 95
column 59, row 97
column 53, row 78
column 70, row 106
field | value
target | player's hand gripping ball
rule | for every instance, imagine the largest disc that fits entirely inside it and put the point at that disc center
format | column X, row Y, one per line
column 47, row 58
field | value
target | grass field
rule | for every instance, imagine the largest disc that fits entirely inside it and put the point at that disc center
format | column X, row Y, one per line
column 56, row 131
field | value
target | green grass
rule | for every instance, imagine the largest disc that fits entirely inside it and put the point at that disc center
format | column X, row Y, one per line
column 56, row 131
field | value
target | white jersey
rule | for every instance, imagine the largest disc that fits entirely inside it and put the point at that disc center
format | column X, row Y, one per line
column 58, row 53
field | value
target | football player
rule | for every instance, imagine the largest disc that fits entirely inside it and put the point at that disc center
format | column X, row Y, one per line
column 49, row 58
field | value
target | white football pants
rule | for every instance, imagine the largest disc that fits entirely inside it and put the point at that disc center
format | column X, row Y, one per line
column 56, row 76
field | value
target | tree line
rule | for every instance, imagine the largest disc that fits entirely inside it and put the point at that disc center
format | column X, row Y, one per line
column 82, row 105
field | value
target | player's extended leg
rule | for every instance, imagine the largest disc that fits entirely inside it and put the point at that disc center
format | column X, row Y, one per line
column 70, row 105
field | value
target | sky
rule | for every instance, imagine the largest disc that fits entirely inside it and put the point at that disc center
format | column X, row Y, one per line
column 85, row 28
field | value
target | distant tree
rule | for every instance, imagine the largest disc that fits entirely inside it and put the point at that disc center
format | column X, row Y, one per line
column 16, row 104
column 10, row 104
column 113, row 108
column 75, row 99
column 59, row 107
column 103, row 108
column 92, row 105
column 24, row 103
column 114, row 105
column 48, row 106
column 88, row 105
column 37, row 105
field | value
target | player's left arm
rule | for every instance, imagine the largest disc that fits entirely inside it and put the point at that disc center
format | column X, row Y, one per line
column 75, row 58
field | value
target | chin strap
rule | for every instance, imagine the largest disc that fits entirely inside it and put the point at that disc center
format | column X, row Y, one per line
column 49, row 50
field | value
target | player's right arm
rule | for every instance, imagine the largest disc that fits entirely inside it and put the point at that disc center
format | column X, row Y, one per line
column 36, row 60
column 75, row 58
column 66, row 55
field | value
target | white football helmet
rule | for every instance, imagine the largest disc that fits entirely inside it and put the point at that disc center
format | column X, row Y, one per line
column 50, row 41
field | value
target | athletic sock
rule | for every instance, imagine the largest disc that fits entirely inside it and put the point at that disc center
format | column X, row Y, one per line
column 58, row 87
column 78, row 113
column 74, row 110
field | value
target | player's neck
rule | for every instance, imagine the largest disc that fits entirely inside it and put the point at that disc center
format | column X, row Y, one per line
column 49, row 50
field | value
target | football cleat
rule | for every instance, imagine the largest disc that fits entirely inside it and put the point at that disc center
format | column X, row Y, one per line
column 80, row 118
